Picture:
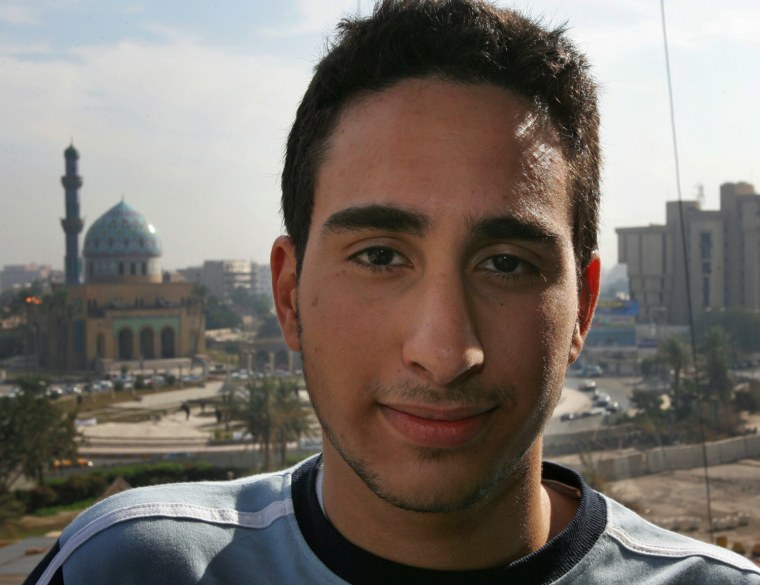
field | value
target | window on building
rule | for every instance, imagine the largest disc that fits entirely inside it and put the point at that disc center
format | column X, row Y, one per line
column 132, row 268
column 144, row 268
column 121, row 268
column 705, row 245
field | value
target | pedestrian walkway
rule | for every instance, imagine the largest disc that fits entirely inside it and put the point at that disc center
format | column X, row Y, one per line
column 18, row 559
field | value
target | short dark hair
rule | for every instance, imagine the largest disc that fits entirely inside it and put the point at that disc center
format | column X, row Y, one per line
column 467, row 41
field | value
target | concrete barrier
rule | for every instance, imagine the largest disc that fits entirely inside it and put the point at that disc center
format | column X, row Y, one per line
column 672, row 458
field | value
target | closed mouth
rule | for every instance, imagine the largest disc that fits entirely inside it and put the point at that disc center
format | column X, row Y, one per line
column 441, row 427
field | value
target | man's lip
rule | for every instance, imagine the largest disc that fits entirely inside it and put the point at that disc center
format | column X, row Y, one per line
column 437, row 427
column 438, row 412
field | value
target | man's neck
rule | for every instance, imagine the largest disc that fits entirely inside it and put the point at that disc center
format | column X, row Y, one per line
column 518, row 517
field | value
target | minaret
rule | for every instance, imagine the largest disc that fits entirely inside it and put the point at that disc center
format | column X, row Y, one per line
column 72, row 224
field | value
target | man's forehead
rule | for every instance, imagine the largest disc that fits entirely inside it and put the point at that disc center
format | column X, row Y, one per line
column 529, row 121
column 444, row 119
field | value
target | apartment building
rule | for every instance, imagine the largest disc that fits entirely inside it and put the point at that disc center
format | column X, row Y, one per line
column 722, row 257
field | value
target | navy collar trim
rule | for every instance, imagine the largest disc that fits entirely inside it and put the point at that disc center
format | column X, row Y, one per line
column 360, row 567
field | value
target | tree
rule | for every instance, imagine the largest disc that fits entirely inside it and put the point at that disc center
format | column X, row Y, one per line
column 741, row 324
column 251, row 303
column 216, row 314
column 272, row 414
column 674, row 352
column 291, row 418
column 60, row 313
column 716, row 355
column 11, row 343
column 269, row 328
column 12, row 301
column 33, row 432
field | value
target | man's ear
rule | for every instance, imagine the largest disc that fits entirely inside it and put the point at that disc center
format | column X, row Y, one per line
column 285, row 289
column 587, row 297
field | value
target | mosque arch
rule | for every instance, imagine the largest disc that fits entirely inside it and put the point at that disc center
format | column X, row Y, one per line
column 168, row 349
column 126, row 341
column 147, row 344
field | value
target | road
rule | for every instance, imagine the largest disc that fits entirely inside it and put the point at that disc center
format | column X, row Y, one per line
column 575, row 400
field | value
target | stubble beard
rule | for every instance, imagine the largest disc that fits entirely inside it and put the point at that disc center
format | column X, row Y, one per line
column 509, row 471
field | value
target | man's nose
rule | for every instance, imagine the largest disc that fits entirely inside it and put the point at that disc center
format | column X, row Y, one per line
column 441, row 340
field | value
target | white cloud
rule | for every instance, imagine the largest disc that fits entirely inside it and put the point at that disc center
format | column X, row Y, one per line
column 316, row 17
column 192, row 135
column 18, row 15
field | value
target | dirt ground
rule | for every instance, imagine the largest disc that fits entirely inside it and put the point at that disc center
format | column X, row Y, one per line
column 677, row 501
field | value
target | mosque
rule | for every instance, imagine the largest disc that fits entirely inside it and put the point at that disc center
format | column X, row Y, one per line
column 117, row 308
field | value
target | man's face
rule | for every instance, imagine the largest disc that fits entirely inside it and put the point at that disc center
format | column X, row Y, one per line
column 437, row 305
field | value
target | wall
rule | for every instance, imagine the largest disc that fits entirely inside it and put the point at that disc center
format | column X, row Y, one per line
column 630, row 465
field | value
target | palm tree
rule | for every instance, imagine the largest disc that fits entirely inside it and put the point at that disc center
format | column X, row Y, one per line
column 272, row 413
column 716, row 355
column 674, row 352
column 291, row 416
column 60, row 313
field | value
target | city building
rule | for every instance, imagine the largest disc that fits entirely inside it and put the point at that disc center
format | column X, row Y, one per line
column 221, row 277
column 262, row 280
column 117, row 310
column 21, row 275
column 722, row 257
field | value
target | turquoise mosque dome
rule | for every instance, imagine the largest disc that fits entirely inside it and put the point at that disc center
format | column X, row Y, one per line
column 122, row 231
column 121, row 244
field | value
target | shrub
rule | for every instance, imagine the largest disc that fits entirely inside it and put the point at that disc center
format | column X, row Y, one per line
column 80, row 487
column 38, row 497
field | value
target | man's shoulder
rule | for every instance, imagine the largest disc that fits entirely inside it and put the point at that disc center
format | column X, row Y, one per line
column 181, row 532
column 211, row 501
column 632, row 541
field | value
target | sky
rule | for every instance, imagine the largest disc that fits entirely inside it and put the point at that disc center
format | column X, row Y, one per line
column 182, row 107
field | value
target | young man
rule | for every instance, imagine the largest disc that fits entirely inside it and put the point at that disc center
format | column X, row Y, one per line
column 440, row 195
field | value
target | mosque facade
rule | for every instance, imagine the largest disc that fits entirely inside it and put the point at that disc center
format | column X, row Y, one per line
column 116, row 308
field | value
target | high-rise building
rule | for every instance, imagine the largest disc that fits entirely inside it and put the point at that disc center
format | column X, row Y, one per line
column 221, row 277
column 722, row 257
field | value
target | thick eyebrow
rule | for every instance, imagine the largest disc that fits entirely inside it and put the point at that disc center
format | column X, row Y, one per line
column 512, row 228
column 377, row 217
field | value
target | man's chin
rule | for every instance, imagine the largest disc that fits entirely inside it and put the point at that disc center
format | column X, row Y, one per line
column 435, row 483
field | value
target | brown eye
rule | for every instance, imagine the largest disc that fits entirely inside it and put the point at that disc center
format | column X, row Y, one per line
column 380, row 256
column 506, row 263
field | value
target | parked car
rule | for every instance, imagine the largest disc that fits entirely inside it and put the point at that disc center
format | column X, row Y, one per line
column 601, row 399
column 54, row 392
column 587, row 385
column 593, row 371
column 593, row 412
column 570, row 416
column 72, row 389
